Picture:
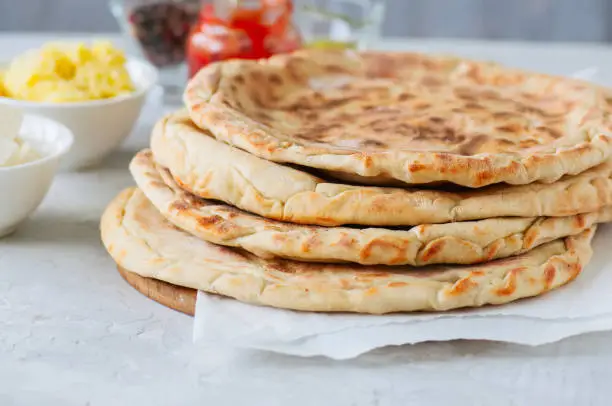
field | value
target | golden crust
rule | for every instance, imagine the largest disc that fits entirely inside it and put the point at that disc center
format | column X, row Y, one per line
column 140, row 240
column 458, row 243
column 214, row 170
column 406, row 117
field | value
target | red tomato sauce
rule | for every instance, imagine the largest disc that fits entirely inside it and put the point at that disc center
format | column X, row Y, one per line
column 247, row 33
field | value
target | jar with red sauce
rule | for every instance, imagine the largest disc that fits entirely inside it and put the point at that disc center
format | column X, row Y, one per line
column 247, row 29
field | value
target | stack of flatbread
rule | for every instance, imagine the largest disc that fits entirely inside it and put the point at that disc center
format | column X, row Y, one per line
column 369, row 182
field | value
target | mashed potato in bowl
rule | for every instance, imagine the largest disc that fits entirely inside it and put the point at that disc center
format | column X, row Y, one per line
column 64, row 73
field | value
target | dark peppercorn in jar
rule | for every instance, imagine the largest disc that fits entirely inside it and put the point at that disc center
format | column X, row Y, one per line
column 159, row 27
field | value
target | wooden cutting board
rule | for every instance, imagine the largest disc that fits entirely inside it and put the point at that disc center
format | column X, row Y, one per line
column 175, row 297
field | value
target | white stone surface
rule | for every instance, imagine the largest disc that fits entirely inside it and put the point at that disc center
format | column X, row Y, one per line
column 73, row 333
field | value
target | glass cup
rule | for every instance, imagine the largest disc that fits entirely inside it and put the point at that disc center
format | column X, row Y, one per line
column 158, row 29
column 340, row 23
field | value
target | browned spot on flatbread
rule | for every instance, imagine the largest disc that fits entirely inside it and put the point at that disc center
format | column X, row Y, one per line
column 279, row 238
column 505, row 142
column 230, row 213
column 256, row 75
column 373, row 143
column 318, row 96
column 549, row 276
column 370, row 275
column 420, row 229
column 575, row 270
column 194, row 201
column 483, row 177
column 465, row 93
column 421, row 105
column 415, row 167
column 203, row 187
column 275, row 79
column 510, row 128
column 405, row 96
column 398, row 248
column 157, row 184
column 504, row 114
column 529, row 239
column 257, row 98
column 510, row 286
column 311, row 242
column 320, row 220
column 331, row 104
column 473, row 106
column 528, row 143
column 437, row 120
column 461, row 286
column 530, row 109
column 239, row 79
column 553, row 133
column 452, row 137
column 264, row 117
column 345, row 241
column 432, row 81
column 489, row 94
column 472, row 146
column 580, row 221
column 492, row 250
column 432, row 249
column 179, row 205
column 215, row 116
column 311, row 115
column 207, row 221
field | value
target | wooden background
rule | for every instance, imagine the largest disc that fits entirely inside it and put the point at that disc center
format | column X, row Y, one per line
column 554, row 20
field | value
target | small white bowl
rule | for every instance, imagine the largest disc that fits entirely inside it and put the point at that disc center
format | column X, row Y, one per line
column 23, row 187
column 99, row 126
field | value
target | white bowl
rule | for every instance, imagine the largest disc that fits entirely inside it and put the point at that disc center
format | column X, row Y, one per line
column 99, row 126
column 23, row 187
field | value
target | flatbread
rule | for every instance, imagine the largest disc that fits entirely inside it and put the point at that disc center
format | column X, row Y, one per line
column 408, row 117
column 453, row 243
column 214, row 170
column 140, row 240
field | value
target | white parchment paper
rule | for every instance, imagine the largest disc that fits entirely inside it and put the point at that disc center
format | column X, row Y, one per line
column 584, row 305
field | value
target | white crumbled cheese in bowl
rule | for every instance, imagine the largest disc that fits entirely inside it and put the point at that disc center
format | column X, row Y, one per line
column 31, row 148
column 13, row 150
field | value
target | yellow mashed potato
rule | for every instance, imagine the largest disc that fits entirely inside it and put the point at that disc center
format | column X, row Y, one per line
column 67, row 73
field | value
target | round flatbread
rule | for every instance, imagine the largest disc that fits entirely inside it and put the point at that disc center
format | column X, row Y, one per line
column 414, row 118
column 451, row 243
column 142, row 241
column 214, row 170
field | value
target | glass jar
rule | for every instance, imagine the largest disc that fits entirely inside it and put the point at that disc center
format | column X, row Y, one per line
column 159, row 30
column 247, row 29
column 340, row 23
